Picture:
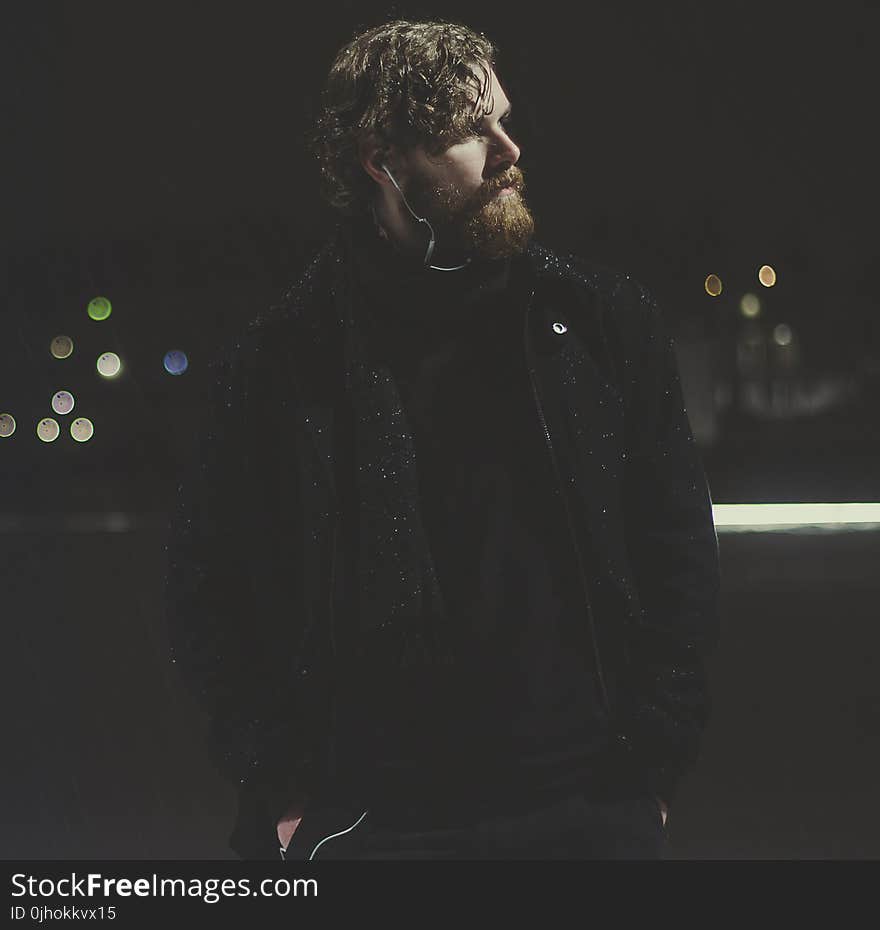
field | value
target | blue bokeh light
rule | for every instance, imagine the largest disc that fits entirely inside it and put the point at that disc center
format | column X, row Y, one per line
column 176, row 362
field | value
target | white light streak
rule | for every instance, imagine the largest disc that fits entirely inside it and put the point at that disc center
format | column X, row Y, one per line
column 764, row 516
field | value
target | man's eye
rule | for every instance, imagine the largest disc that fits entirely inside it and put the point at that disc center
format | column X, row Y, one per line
column 481, row 129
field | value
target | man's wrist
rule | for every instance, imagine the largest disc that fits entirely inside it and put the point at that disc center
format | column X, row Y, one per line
column 664, row 808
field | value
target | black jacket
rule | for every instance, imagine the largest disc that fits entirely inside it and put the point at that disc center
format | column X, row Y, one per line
column 254, row 542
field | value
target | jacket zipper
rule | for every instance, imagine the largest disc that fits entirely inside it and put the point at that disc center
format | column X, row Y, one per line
column 577, row 549
column 331, row 617
column 334, row 698
column 331, row 614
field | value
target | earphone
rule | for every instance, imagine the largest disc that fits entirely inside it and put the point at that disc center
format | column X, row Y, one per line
column 421, row 219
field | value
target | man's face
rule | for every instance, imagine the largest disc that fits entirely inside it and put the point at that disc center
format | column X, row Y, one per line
column 472, row 191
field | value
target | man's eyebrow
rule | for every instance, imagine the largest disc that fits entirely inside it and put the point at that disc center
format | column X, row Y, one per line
column 504, row 115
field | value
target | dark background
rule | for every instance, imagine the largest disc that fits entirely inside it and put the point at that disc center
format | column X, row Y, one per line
column 159, row 160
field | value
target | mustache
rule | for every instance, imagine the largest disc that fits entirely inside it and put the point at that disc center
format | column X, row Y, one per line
column 512, row 177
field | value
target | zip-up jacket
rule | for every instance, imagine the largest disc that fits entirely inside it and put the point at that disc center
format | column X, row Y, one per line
column 254, row 541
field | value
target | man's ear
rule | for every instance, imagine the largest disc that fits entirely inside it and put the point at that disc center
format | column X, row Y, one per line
column 373, row 154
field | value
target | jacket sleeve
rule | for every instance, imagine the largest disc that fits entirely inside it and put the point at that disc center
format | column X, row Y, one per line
column 220, row 649
column 673, row 547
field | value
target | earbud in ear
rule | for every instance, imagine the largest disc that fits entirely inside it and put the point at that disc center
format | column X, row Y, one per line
column 391, row 177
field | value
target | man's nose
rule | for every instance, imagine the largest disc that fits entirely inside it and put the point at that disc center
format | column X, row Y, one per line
column 505, row 153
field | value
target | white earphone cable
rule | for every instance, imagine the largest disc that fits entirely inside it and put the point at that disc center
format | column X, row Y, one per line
column 421, row 219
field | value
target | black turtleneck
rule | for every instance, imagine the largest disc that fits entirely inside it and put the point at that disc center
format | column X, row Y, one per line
column 519, row 717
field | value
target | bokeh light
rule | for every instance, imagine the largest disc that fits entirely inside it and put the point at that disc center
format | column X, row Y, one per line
column 713, row 285
column 109, row 364
column 750, row 306
column 63, row 402
column 767, row 276
column 7, row 425
column 61, row 347
column 175, row 362
column 782, row 335
column 99, row 308
column 82, row 429
column 48, row 429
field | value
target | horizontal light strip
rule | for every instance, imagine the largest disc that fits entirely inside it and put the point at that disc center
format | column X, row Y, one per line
column 727, row 517
column 757, row 516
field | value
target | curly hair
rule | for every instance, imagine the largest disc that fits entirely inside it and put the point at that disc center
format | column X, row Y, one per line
column 406, row 83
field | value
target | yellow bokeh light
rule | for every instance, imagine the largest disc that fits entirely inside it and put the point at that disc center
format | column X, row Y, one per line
column 82, row 429
column 767, row 276
column 109, row 364
column 61, row 347
column 7, row 425
column 713, row 285
column 750, row 306
column 48, row 429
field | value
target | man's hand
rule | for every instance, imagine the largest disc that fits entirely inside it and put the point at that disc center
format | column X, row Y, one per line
column 289, row 822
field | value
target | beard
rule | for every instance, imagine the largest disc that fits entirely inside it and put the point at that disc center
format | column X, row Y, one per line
column 482, row 223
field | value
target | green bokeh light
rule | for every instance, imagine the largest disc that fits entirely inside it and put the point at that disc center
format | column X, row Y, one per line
column 99, row 308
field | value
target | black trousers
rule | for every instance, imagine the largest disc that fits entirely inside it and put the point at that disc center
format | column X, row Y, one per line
column 574, row 828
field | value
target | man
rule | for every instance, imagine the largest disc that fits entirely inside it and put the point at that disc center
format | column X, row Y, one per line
column 446, row 573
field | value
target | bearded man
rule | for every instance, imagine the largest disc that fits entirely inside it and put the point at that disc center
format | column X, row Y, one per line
column 446, row 574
